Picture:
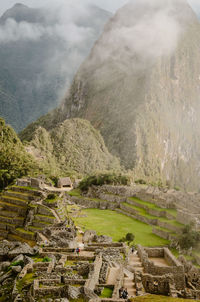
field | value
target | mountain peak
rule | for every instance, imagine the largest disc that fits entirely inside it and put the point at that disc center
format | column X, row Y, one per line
column 140, row 88
column 19, row 5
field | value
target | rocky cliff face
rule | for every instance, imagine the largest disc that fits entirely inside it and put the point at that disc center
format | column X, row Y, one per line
column 140, row 87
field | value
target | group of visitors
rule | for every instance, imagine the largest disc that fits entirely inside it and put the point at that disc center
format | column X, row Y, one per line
column 123, row 293
column 78, row 250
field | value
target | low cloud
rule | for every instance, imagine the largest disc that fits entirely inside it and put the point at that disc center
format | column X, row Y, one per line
column 63, row 19
column 143, row 31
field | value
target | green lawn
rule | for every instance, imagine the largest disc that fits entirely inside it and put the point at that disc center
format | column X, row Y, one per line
column 117, row 225
column 153, row 206
column 144, row 213
column 107, row 293
column 154, row 298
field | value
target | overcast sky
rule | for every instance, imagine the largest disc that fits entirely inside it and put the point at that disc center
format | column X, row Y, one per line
column 110, row 5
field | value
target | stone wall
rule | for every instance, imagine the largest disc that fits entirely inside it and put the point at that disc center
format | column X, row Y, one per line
column 137, row 216
column 186, row 217
column 157, row 284
column 162, row 197
column 161, row 233
column 168, row 226
column 94, row 275
column 118, row 283
column 171, row 259
column 158, row 213
column 154, row 252
column 175, row 268
column 89, row 203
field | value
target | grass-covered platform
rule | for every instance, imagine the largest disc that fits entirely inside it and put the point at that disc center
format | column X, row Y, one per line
column 154, row 298
column 116, row 225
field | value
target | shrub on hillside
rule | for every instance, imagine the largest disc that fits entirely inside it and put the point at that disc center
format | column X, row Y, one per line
column 189, row 238
column 128, row 238
column 51, row 196
column 103, row 179
column 140, row 181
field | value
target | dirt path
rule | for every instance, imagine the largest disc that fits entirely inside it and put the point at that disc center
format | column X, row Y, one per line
column 130, row 285
column 135, row 263
column 112, row 275
column 159, row 262
column 53, row 189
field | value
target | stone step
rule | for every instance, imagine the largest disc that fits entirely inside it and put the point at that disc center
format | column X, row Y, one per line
column 25, row 234
column 138, row 269
column 136, row 264
column 19, row 195
column 14, row 200
column 13, row 207
column 45, row 218
column 130, row 285
column 8, row 213
column 34, row 229
column 7, row 226
column 112, row 300
column 13, row 220
column 40, row 224
column 26, row 190
column 13, row 237
column 3, row 233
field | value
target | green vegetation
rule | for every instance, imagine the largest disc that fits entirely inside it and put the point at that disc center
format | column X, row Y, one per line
column 16, row 263
column 153, row 206
column 75, row 192
column 128, row 238
column 155, row 298
column 73, row 148
column 52, row 198
column 140, row 181
column 102, row 179
column 189, row 238
column 106, row 293
column 46, row 259
column 143, row 212
column 117, row 225
column 25, row 281
column 15, row 162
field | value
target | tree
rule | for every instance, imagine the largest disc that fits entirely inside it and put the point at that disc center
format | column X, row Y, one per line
column 130, row 237
column 189, row 238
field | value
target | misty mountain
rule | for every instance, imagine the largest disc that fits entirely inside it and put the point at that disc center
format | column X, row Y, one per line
column 40, row 51
column 73, row 146
column 140, row 87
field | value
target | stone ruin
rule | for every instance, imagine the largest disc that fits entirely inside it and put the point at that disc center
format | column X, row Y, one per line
column 187, row 204
column 52, row 270
column 54, row 273
column 165, row 275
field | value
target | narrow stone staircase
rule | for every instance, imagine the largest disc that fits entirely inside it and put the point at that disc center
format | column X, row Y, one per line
column 113, row 273
column 135, row 263
column 129, row 284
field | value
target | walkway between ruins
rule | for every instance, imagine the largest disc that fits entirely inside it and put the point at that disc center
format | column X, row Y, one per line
column 54, row 189
column 135, row 263
column 113, row 274
column 159, row 262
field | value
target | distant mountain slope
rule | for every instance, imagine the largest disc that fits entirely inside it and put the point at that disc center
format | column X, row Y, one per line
column 39, row 55
column 14, row 160
column 72, row 146
column 140, row 87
